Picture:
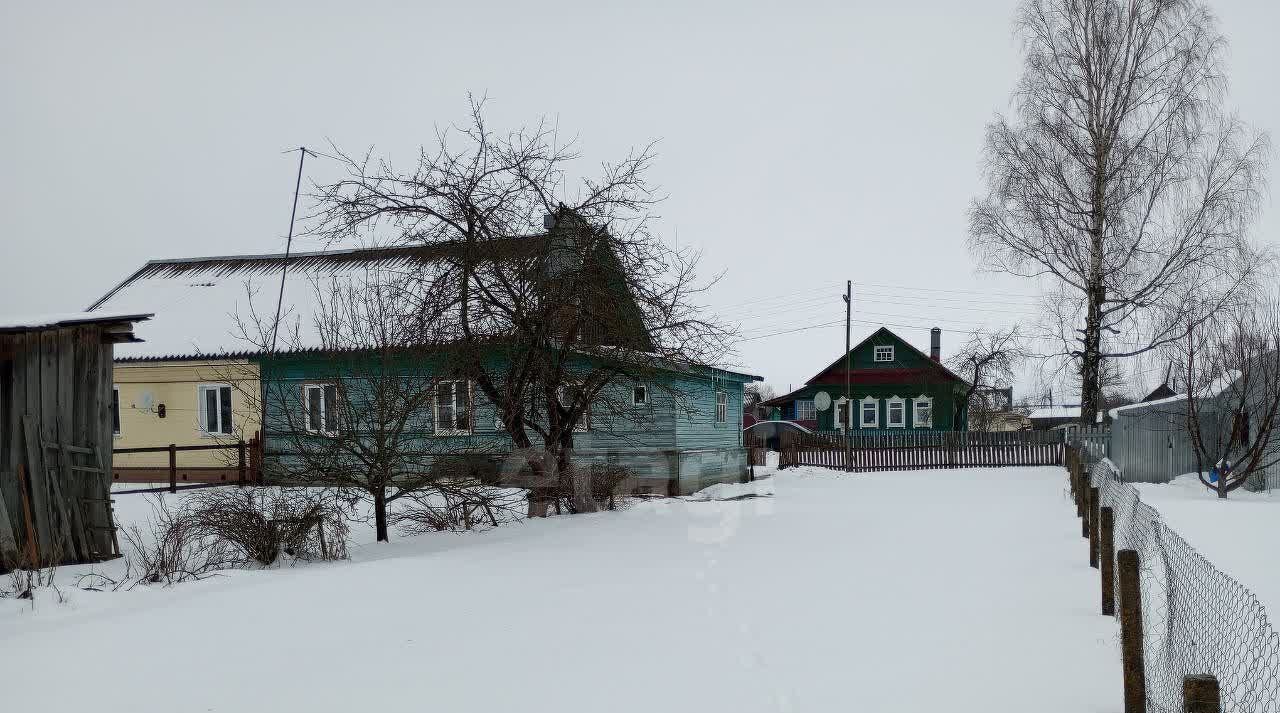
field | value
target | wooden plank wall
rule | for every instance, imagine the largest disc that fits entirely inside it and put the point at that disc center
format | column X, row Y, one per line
column 923, row 450
column 56, row 433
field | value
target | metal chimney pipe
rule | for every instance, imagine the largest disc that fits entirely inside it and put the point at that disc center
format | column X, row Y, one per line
column 935, row 344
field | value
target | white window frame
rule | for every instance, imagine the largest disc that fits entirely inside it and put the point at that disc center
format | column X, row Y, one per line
column 722, row 406
column 115, row 407
column 810, row 412
column 917, row 402
column 202, row 416
column 883, row 353
column 862, row 412
column 435, row 408
column 307, row 425
column 901, row 403
column 584, row 424
column 640, row 389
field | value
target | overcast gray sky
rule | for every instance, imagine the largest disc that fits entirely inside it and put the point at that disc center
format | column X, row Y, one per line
column 801, row 144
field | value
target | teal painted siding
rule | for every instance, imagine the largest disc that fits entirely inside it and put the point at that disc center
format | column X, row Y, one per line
column 673, row 440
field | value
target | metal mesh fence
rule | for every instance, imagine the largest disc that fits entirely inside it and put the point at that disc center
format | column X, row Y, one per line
column 1195, row 618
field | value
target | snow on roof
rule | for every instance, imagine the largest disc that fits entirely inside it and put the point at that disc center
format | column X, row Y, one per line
column 1055, row 412
column 22, row 323
column 224, row 307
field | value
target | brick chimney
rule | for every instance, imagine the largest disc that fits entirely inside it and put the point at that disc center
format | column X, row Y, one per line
column 935, row 344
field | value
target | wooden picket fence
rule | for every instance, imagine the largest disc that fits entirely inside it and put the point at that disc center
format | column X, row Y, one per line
column 921, row 450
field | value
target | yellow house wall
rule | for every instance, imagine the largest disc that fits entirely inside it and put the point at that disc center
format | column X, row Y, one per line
column 145, row 385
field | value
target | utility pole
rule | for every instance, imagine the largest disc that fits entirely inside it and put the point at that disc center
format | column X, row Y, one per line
column 297, row 187
column 848, row 380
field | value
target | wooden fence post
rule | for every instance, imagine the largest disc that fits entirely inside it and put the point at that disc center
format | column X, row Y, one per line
column 173, row 468
column 1084, row 506
column 1094, row 505
column 242, row 466
column 1080, row 490
column 1107, row 559
column 1135, row 677
column 1200, row 694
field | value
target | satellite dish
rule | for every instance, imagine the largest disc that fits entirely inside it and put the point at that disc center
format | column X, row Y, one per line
column 822, row 400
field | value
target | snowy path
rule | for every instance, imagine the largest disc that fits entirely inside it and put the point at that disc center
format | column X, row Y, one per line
column 916, row 591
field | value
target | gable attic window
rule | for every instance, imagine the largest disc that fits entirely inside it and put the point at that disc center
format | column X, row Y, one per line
column 897, row 409
column 214, row 404
column 884, row 353
column 321, row 408
column 923, row 417
column 453, row 408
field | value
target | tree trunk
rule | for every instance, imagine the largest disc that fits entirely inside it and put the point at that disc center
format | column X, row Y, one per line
column 380, row 514
column 584, row 499
column 1091, row 358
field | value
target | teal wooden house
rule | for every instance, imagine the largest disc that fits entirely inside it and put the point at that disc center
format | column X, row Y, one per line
column 678, row 429
column 891, row 387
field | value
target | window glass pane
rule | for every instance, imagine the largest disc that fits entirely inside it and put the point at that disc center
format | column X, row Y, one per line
column 314, row 408
column 210, row 410
column 331, row 408
column 444, row 406
column 224, row 394
column 115, row 410
column 639, row 395
column 462, row 398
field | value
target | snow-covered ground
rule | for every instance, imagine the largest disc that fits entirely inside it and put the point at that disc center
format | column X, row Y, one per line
column 1240, row 535
column 962, row 590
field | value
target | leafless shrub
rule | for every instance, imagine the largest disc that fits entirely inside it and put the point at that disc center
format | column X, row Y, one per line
column 456, row 505
column 172, row 549
column 261, row 524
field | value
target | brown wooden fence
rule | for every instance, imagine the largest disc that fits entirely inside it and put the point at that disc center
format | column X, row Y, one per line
column 246, row 470
column 922, row 450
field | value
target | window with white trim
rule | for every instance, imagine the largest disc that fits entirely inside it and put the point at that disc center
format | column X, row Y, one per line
column 722, row 406
column 897, row 412
column 320, row 408
column 569, row 394
column 639, row 395
column 115, row 410
column 805, row 410
column 453, row 408
column 870, row 411
column 884, row 353
column 923, row 416
column 214, row 404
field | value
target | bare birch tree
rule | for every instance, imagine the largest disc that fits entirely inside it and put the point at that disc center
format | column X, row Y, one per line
column 548, row 294
column 1231, row 364
column 1117, row 181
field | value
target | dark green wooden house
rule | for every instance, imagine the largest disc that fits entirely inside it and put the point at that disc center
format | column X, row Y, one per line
column 892, row 387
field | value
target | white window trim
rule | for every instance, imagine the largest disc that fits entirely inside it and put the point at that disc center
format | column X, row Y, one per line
column 584, row 423
column 888, row 412
column 435, row 409
column 813, row 410
column 324, row 407
column 862, row 415
column 643, row 388
column 838, row 413
column 875, row 351
column 119, row 414
column 200, row 412
column 722, row 399
column 917, row 402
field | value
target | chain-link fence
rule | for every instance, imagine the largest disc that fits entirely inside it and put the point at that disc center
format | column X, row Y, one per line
column 1195, row 618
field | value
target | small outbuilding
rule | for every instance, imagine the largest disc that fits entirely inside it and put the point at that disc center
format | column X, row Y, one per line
column 57, row 418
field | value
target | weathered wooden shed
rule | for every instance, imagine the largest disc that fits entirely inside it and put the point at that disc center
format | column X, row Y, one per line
column 56, row 424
